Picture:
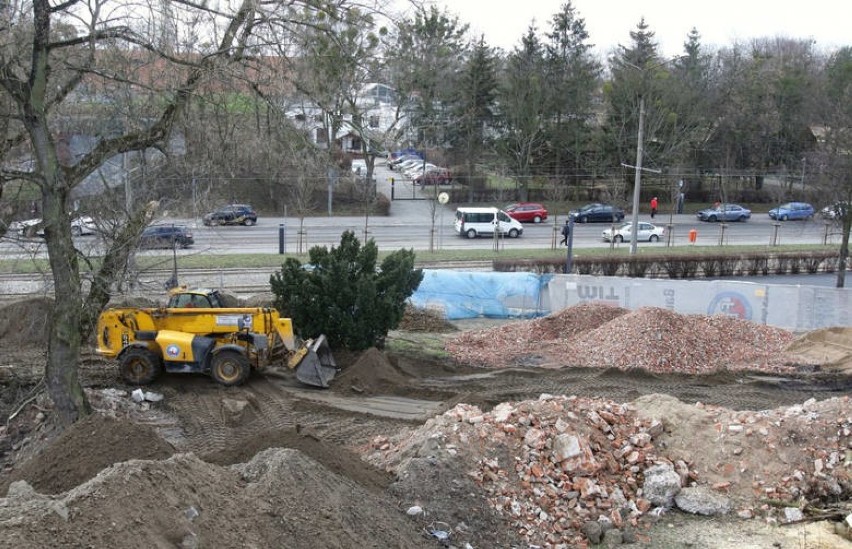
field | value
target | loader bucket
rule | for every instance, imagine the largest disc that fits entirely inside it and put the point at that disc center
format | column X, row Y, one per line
column 317, row 366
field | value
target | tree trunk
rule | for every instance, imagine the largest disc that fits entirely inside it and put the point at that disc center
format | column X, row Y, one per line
column 844, row 251
column 63, row 352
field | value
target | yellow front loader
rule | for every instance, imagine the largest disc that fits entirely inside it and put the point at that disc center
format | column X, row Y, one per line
column 226, row 343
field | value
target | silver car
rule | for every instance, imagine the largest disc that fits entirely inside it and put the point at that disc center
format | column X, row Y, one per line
column 724, row 212
column 646, row 232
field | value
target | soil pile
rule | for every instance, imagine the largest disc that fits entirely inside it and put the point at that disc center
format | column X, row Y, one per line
column 371, row 373
column 416, row 319
column 83, row 450
column 830, row 347
column 337, row 459
column 281, row 498
column 25, row 323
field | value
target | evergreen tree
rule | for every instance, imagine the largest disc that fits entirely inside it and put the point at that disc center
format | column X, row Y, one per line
column 344, row 295
column 473, row 105
column 521, row 108
column 424, row 56
column 572, row 75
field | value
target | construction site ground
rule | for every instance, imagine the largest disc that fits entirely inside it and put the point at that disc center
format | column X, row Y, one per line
column 445, row 438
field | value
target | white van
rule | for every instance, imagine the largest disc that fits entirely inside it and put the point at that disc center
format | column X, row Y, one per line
column 472, row 222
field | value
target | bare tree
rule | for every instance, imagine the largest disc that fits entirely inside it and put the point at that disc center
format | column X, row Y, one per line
column 66, row 44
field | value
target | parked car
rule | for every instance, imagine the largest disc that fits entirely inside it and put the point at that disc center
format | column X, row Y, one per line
column 406, row 165
column 526, row 212
column 232, row 214
column 598, row 213
column 792, row 210
column 838, row 210
column 647, row 232
column 166, row 236
column 724, row 212
column 439, row 176
column 419, row 169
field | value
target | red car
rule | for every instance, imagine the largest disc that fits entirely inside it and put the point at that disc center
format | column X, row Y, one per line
column 526, row 212
column 440, row 176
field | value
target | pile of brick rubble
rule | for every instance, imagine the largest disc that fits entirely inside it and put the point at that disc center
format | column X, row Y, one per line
column 565, row 471
column 652, row 339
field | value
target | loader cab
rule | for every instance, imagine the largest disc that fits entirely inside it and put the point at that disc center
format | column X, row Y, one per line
column 200, row 298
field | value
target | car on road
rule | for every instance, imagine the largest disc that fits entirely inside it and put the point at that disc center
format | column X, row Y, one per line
column 792, row 210
column 83, row 225
column 647, row 232
column 598, row 213
column 232, row 214
column 473, row 222
column 724, row 212
column 166, row 236
column 838, row 210
column 527, row 212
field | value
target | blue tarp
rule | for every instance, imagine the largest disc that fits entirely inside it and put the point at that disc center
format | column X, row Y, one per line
column 481, row 294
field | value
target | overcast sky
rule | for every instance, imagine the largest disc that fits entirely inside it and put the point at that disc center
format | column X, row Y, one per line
column 609, row 22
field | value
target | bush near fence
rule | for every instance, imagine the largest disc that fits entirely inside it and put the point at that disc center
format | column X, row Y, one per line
column 680, row 266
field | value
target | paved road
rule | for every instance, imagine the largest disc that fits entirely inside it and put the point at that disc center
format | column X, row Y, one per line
column 424, row 224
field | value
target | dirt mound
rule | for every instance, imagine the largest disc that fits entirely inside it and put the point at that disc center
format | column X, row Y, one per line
column 372, row 373
column 416, row 319
column 334, row 457
column 83, row 450
column 25, row 323
column 134, row 301
column 505, row 344
column 279, row 499
column 260, row 300
column 829, row 347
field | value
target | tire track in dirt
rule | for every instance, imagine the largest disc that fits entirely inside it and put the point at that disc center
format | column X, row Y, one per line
column 217, row 417
column 741, row 391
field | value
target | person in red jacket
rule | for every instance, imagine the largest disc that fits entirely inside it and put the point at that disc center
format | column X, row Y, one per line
column 653, row 207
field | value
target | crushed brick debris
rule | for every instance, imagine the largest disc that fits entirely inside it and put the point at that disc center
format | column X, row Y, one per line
column 551, row 465
column 652, row 339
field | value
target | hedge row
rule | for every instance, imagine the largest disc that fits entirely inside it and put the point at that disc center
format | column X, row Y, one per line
column 680, row 266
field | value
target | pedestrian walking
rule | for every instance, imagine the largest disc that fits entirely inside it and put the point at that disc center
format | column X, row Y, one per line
column 653, row 207
column 566, row 232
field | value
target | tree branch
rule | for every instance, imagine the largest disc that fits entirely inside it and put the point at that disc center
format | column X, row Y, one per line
column 159, row 130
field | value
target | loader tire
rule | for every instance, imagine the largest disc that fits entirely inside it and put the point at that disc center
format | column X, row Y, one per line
column 230, row 368
column 140, row 366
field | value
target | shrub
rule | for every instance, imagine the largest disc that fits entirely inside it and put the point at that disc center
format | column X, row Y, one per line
column 344, row 295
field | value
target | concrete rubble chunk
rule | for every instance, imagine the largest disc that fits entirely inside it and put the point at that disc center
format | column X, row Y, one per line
column 700, row 500
column 662, row 483
column 793, row 514
column 612, row 538
column 151, row 396
column 566, row 446
column 593, row 531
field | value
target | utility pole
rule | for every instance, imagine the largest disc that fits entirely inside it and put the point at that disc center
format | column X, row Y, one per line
column 637, row 180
